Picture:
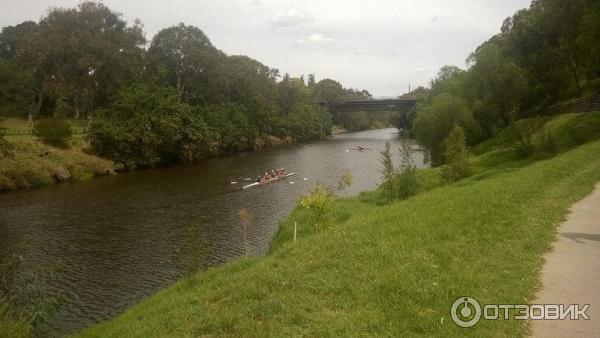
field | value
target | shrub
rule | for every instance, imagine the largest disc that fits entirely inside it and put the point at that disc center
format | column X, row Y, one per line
column 23, row 302
column 320, row 204
column 406, row 181
column 53, row 131
column 434, row 121
column 401, row 183
column 388, row 172
column 456, row 155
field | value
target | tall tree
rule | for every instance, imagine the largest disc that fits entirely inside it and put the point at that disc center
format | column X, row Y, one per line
column 87, row 53
column 188, row 59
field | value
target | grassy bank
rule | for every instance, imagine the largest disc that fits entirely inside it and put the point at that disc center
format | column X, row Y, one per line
column 387, row 270
column 32, row 163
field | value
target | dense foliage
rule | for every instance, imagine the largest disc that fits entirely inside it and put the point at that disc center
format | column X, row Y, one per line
column 456, row 155
column 180, row 98
column 543, row 54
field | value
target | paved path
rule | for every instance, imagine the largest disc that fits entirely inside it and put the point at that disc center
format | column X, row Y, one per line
column 571, row 274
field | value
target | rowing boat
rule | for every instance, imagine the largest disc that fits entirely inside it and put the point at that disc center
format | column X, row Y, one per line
column 267, row 181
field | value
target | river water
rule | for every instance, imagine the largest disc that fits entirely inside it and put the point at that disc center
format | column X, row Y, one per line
column 115, row 240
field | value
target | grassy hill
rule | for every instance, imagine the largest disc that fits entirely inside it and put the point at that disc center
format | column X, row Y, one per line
column 394, row 269
column 31, row 163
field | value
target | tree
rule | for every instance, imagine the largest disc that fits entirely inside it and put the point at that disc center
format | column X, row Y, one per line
column 85, row 54
column 188, row 59
column 497, row 86
column 253, row 85
column 388, row 172
column 148, row 126
column 15, row 86
column 456, row 155
column 329, row 91
column 434, row 122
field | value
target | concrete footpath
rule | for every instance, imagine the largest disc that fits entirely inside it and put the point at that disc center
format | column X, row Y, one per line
column 571, row 274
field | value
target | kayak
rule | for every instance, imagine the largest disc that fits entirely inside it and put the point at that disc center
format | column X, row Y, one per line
column 267, row 181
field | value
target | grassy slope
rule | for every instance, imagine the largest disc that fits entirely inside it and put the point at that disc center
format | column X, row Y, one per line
column 393, row 269
column 35, row 164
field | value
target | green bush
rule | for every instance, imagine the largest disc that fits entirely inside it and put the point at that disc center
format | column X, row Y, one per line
column 401, row 183
column 456, row 155
column 435, row 120
column 24, row 305
column 320, row 204
column 387, row 172
column 53, row 131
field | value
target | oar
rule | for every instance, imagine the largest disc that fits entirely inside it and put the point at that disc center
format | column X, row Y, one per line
column 245, row 179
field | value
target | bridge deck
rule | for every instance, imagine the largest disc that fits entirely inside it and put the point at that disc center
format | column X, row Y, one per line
column 398, row 104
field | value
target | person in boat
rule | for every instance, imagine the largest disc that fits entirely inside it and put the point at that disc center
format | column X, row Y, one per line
column 282, row 172
column 360, row 148
column 272, row 173
column 277, row 172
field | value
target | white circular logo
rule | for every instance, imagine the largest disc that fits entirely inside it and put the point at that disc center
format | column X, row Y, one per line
column 465, row 312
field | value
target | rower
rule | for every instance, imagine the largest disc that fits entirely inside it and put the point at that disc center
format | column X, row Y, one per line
column 277, row 172
column 282, row 171
column 272, row 173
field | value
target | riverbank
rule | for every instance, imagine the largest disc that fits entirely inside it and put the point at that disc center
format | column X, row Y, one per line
column 29, row 163
column 32, row 164
column 392, row 269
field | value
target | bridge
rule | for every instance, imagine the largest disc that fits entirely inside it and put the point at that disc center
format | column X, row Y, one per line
column 373, row 104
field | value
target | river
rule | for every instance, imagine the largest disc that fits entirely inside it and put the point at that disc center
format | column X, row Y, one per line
column 115, row 240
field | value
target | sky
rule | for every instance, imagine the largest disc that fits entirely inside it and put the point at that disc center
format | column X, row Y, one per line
column 378, row 45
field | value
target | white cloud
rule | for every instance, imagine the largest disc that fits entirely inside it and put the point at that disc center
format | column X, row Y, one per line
column 293, row 17
column 319, row 38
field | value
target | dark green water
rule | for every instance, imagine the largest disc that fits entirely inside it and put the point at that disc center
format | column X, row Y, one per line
column 119, row 239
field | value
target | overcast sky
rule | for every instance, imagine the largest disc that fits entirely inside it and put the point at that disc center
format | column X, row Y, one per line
column 375, row 45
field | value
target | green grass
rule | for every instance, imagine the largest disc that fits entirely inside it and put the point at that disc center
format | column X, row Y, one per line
column 34, row 164
column 568, row 130
column 386, row 270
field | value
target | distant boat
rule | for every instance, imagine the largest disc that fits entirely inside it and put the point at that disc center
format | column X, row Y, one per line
column 360, row 148
column 267, row 181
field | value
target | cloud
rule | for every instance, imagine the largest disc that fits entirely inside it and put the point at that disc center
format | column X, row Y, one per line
column 319, row 38
column 293, row 17
column 255, row 3
column 315, row 39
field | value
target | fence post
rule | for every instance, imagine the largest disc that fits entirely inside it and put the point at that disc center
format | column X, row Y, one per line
column 295, row 226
